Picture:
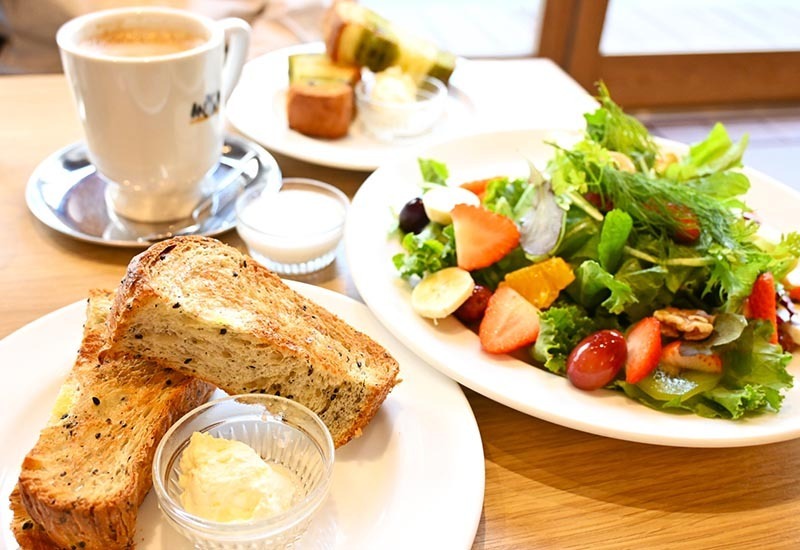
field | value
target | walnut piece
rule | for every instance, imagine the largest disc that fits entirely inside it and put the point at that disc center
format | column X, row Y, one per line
column 690, row 324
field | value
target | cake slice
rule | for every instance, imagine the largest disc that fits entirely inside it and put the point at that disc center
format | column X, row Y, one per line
column 356, row 35
column 82, row 483
column 322, row 109
column 210, row 311
column 319, row 101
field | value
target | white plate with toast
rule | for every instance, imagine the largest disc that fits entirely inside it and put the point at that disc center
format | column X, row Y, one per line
column 416, row 474
column 257, row 108
column 455, row 350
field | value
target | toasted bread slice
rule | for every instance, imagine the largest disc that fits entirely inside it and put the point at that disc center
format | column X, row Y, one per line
column 29, row 534
column 83, row 481
column 210, row 311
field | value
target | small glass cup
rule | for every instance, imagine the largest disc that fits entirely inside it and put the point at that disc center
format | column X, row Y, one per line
column 281, row 431
column 294, row 230
column 389, row 121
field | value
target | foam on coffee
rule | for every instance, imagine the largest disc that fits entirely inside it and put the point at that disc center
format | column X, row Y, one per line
column 141, row 42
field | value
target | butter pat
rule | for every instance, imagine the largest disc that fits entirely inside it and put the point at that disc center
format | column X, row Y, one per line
column 227, row 481
column 67, row 397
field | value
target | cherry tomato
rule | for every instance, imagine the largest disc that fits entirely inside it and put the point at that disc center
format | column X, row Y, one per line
column 597, row 359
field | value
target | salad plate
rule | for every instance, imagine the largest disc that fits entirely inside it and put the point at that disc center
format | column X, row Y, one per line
column 455, row 350
column 416, row 473
column 257, row 108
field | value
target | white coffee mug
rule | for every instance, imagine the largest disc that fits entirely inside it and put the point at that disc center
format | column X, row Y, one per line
column 150, row 85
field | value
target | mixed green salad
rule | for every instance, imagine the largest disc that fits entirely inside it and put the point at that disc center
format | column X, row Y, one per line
column 621, row 266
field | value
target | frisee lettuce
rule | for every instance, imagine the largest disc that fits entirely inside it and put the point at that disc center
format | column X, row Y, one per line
column 431, row 250
column 561, row 327
column 594, row 286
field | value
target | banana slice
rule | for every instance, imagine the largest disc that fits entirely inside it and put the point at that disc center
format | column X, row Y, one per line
column 441, row 293
column 439, row 201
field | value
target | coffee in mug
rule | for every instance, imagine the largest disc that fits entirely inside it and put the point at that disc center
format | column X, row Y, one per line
column 150, row 86
column 140, row 42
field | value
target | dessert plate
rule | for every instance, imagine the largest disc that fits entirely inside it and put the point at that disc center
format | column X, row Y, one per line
column 416, row 474
column 257, row 108
column 66, row 193
column 453, row 349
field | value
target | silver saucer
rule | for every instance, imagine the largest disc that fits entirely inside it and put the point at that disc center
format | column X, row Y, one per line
column 66, row 193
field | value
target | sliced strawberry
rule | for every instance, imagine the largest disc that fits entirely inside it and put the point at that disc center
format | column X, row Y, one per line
column 482, row 237
column 762, row 303
column 478, row 186
column 509, row 323
column 644, row 349
column 676, row 357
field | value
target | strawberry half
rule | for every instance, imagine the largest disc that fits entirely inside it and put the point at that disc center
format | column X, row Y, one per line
column 509, row 323
column 762, row 303
column 676, row 357
column 482, row 237
column 644, row 349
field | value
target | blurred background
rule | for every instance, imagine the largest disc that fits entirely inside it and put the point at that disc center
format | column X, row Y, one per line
column 678, row 65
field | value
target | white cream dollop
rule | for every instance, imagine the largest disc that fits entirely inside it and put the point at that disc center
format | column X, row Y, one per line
column 227, row 481
column 393, row 86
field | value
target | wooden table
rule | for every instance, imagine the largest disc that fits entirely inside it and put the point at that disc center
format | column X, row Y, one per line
column 546, row 486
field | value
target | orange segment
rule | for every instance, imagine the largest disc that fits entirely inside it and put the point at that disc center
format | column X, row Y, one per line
column 533, row 285
column 541, row 283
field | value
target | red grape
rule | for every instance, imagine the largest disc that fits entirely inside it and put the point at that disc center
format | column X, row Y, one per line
column 597, row 359
column 473, row 309
column 413, row 218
